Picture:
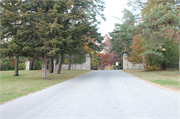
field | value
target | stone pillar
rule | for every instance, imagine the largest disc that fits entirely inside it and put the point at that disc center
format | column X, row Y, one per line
column 88, row 62
column 125, row 62
column 55, row 66
column 28, row 65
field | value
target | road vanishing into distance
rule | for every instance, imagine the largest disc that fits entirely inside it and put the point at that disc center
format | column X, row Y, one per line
column 108, row 94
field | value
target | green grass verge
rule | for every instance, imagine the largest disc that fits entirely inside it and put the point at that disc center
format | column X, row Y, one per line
column 12, row 87
column 169, row 79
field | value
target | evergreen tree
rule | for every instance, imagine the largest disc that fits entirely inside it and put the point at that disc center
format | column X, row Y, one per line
column 122, row 34
column 80, row 21
column 158, row 26
column 47, row 28
column 12, row 24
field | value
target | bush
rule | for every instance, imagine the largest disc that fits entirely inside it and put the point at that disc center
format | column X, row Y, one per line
column 37, row 64
column 6, row 64
column 9, row 64
column 154, row 68
column 171, row 55
column 22, row 66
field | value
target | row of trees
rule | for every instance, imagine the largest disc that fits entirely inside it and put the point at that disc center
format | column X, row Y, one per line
column 47, row 29
column 151, row 37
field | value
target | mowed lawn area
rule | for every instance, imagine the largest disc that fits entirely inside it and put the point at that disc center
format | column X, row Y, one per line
column 165, row 79
column 12, row 87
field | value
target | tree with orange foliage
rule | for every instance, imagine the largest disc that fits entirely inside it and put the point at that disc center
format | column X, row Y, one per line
column 137, row 49
column 107, row 57
column 107, row 48
column 104, row 60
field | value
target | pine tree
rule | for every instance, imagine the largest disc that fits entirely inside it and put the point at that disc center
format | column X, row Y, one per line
column 122, row 34
column 121, row 40
column 46, row 28
column 12, row 23
column 159, row 25
column 76, row 27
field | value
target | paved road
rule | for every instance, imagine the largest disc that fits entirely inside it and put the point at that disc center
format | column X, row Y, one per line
column 96, row 95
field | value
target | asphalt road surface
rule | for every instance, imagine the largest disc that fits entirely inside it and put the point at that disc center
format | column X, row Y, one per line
column 96, row 95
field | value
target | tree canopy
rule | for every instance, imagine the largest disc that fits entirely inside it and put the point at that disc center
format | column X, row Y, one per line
column 49, row 28
column 150, row 38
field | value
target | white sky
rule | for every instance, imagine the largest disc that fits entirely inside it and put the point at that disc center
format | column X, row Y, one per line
column 112, row 8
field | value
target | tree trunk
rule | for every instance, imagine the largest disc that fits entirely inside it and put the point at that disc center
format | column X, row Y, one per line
column 59, row 65
column 2, row 66
column 44, row 67
column 51, row 65
column 31, row 65
column 16, row 66
column 170, row 66
column 70, row 59
column 163, row 66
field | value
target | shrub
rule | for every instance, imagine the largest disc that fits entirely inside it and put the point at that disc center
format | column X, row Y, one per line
column 6, row 64
column 154, row 67
column 37, row 64
column 22, row 66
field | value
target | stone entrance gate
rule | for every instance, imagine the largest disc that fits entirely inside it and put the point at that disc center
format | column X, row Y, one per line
column 128, row 65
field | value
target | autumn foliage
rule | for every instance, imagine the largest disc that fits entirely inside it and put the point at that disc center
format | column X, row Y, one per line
column 12, row 61
column 107, row 57
column 137, row 49
column 104, row 60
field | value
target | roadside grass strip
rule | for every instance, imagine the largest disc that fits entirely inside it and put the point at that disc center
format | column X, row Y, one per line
column 12, row 87
column 166, row 79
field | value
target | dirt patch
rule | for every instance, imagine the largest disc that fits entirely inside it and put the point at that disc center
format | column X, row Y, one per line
column 169, row 88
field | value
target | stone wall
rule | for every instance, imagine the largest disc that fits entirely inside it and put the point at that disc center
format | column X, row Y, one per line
column 128, row 65
column 83, row 66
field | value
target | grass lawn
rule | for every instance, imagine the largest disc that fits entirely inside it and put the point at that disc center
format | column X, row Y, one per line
column 166, row 79
column 12, row 87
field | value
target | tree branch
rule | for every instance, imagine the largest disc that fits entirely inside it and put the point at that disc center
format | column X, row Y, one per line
column 117, row 18
column 28, row 39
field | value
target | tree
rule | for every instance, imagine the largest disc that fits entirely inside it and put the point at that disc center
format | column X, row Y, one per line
column 170, row 53
column 47, row 28
column 137, row 49
column 51, row 66
column 154, row 3
column 84, row 32
column 13, row 21
column 122, row 35
column 104, row 60
column 81, row 19
column 121, row 40
column 158, row 26
column 95, row 60
column 113, row 57
column 46, row 18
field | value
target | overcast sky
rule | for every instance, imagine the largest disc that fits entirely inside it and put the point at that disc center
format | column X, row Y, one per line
column 113, row 8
